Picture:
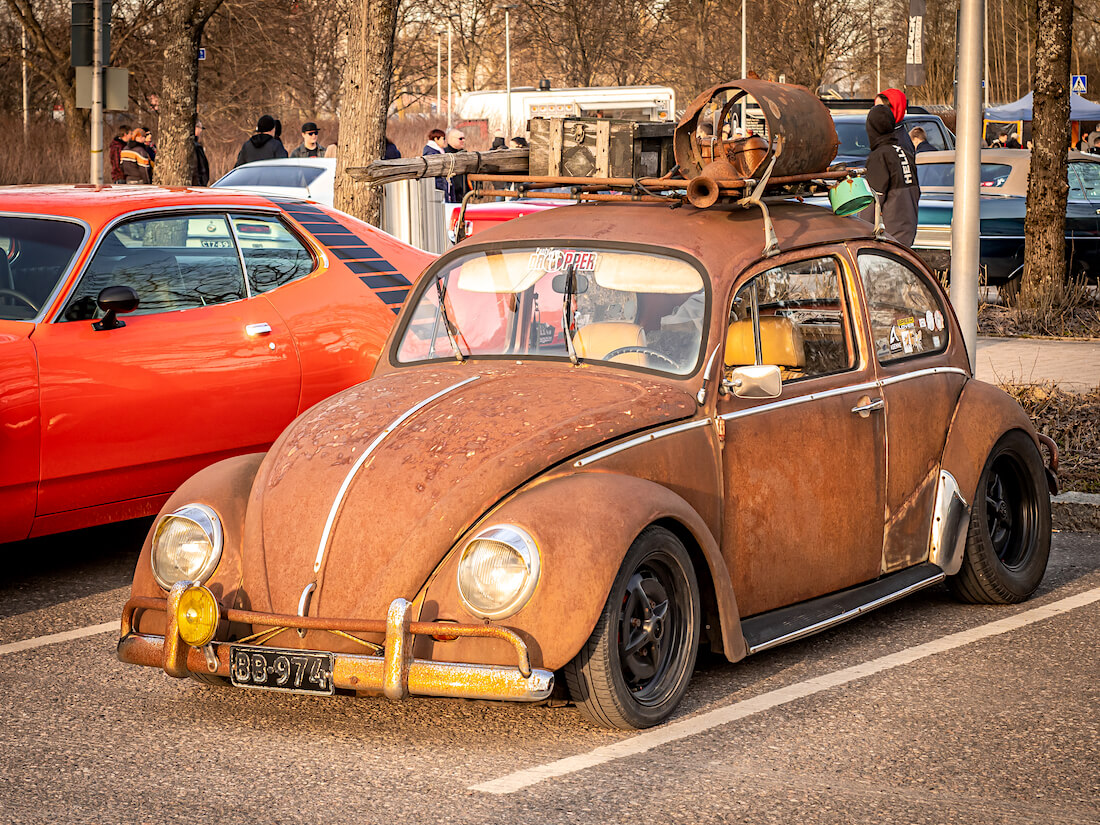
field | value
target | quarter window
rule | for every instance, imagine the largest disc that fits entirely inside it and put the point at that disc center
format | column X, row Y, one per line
column 172, row 263
column 795, row 315
column 907, row 316
column 273, row 256
column 1084, row 181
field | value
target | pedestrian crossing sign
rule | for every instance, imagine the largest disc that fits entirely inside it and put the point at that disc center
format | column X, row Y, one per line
column 1078, row 84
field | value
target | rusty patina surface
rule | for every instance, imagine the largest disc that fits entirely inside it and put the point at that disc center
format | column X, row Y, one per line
column 371, row 495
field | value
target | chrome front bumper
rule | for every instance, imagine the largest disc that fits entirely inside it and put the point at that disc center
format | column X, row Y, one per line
column 395, row 674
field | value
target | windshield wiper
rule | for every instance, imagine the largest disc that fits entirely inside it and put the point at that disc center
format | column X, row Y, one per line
column 452, row 330
column 567, row 311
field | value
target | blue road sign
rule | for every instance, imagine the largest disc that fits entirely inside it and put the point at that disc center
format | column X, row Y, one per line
column 1078, row 84
column 202, row 54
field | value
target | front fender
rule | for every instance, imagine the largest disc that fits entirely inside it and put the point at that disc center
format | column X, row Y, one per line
column 583, row 524
column 225, row 487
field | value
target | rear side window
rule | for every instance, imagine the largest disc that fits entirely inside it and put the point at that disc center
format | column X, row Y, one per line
column 1084, row 181
column 932, row 130
column 272, row 254
column 907, row 317
column 34, row 254
column 172, row 263
column 943, row 174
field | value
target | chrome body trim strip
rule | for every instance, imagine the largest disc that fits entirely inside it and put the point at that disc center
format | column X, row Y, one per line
column 897, row 379
column 642, row 439
column 801, row 399
column 950, row 517
column 848, row 614
column 367, row 454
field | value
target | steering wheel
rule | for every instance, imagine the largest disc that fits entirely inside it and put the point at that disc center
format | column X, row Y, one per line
column 645, row 351
column 12, row 293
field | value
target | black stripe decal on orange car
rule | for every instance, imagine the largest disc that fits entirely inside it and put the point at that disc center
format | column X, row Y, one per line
column 378, row 274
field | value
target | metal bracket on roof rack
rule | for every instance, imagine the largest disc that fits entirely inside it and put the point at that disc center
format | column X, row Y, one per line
column 880, row 227
column 771, row 242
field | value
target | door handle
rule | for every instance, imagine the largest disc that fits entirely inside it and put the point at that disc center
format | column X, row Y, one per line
column 258, row 329
column 866, row 406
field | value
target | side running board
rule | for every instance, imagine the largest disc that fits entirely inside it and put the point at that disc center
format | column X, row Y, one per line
column 788, row 624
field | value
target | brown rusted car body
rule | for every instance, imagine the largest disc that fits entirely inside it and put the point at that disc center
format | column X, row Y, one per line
column 836, row 483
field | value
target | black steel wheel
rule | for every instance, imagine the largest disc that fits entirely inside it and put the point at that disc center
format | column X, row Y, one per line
column 1009, row 539
column 636, row 665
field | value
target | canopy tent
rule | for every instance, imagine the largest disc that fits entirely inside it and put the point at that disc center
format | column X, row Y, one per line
column 1019, row 110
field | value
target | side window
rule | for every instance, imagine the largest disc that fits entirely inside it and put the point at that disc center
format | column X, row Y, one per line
column 802, row 321
column 272, row 254
column 907, row 316
column 173, row 263
column 933, row 131
column 1084, row 181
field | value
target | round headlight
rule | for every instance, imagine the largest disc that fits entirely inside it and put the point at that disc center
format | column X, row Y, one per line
column 187, row 545
column 197, row 616
column 498, row 571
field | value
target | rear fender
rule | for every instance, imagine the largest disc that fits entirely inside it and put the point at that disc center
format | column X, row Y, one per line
column 583, row 524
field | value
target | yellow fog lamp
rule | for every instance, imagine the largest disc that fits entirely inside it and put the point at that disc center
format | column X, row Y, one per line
column 197, row 615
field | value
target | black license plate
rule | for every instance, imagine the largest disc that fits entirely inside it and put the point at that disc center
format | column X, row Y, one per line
column 270, row 668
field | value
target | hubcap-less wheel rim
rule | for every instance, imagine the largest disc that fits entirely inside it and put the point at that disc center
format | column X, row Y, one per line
column 653, row 629
column 1010, row 511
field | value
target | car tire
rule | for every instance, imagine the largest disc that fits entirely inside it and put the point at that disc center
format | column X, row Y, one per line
column 1009, row 537
column 637, row 682
column 210, row 679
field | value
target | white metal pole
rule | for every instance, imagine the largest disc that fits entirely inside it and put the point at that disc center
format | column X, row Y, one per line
column 449, row 99
column 438, row 72
column 744, row 61
column 985, row 51
column 965, row 253
column 508, row 73
column 26, row 90
column 97, row 94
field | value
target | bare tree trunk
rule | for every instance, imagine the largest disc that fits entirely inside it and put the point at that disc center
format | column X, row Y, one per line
column 179, row 88
column 1044, row 276
column 364, row 101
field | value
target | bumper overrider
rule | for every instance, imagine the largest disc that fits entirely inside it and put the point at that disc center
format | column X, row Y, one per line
column 395, row 673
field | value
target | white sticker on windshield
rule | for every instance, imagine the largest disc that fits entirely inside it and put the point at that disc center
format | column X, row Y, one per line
column 556, row 260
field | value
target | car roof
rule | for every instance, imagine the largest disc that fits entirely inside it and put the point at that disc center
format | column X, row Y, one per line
column 99, row 204
column 725, row 238
column 862, row 118
column 320, row 163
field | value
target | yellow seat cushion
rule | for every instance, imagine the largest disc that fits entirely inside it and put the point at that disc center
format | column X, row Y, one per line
column 595, row 341
column 780, row 344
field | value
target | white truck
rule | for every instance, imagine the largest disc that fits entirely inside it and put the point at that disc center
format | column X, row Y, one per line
column 487, row 110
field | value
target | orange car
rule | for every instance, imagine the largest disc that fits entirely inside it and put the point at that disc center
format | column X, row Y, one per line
column 146, row 333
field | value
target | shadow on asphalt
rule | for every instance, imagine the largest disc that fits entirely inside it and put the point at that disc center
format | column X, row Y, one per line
column 53, row 569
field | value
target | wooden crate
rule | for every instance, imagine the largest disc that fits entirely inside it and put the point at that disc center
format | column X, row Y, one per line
column 581, row 147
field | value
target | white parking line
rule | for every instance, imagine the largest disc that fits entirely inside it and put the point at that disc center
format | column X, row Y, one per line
column 739, row 710
column 54, row 638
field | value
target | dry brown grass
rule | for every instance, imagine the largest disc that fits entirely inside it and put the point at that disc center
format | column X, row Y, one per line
column 1077, row 319
column 47, row 158
column 1071, row 420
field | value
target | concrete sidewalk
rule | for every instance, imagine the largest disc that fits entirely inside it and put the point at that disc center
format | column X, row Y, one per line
column 1072, row 365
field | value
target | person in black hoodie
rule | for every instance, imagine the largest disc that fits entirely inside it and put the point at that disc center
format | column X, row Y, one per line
column 892, row 175
column 263, row 145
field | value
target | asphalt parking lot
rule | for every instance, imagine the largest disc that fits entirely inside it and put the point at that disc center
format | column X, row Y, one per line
column 925, row 711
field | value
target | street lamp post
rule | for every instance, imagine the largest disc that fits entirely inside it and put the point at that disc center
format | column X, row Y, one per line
column 508, row 69
column 438, row 72
column 449, row 105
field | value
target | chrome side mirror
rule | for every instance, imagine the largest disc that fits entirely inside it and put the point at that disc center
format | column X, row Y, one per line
column 755, row 381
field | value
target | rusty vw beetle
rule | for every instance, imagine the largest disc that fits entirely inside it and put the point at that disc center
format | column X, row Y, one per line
column 603, row 435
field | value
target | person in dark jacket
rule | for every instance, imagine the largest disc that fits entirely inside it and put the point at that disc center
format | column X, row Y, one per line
column 457, row 186
column 892, row 176
column 114, row 151
column 391, row 152
column 137, row 165
column 920, row 140
column 434, row 146
column 899, row 104
column 200, row 166
column 311, row 146
column 263, row 145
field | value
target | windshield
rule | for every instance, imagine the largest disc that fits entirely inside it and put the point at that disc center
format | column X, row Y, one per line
column 994, row 175
column 853, row 138
column 34, row 254
column 623, row 306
